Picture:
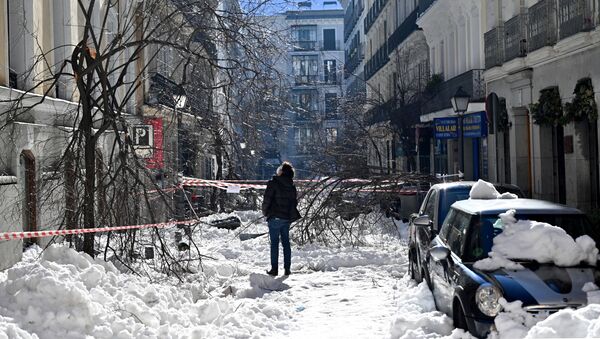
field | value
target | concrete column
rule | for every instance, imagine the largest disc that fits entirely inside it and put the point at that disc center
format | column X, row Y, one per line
column 519, row 151
column 4, row 67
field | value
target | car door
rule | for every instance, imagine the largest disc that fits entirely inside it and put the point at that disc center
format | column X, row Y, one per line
column 445, row 272
column 423, row 233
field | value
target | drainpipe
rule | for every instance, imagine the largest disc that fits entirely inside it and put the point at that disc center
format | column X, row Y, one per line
column 529, row 160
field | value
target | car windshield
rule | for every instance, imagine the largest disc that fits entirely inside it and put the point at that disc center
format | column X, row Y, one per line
column 484, row 229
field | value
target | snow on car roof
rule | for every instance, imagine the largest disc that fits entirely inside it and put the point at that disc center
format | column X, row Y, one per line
column 492, row 206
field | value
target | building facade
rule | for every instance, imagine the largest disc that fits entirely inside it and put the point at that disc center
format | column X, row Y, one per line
column 396, row 71
column 313, row 68
column 454, row 33
column 542, row 72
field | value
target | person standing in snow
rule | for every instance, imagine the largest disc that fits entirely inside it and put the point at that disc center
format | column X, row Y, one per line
column 280, row 207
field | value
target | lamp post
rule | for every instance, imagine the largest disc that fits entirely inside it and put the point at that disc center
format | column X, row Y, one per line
column 180, row 101
column 460, row 103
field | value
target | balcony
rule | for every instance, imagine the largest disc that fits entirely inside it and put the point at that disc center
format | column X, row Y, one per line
column 515, row 38
column 351, row 17
column 306, row 79
column 471, row 82
column 353, row 59
column 306, row 115
column 408, row 26
column 379, row 59
column 575, row 16
column 541, row 26
column 374, row 12
column 494, row 47
column 335, row 45
column 304, row 45
column 545, row 23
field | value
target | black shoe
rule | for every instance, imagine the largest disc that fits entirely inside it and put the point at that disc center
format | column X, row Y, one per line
column 272, row 272
column 288, row 272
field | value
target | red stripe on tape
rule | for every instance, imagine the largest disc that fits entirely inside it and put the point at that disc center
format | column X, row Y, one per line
column 51, row 233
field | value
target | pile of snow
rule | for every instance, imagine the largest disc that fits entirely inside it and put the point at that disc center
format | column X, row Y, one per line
column 485, row 190
column 515, row 322
column 416, row 316
column 541, row 242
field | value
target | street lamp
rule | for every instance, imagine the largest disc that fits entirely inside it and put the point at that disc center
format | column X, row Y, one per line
column 460, row 103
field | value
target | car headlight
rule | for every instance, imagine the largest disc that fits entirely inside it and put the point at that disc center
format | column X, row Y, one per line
column 487, row 298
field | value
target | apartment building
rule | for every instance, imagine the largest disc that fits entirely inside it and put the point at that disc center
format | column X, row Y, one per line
column 40, row 113
column 314, row 65
column 542, row 74
column 454, row 33
column 396, row 71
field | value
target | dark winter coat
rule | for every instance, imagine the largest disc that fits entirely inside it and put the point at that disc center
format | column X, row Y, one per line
column 280, row 200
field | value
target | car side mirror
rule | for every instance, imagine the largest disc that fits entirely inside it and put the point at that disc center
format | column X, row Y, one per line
column 439, row 253
column 423, row 221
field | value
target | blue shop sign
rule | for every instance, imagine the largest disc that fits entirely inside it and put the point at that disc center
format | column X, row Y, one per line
column 475, row 125
column 446, row 128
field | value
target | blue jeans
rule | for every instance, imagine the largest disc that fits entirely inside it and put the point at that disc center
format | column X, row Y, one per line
column 280, row 228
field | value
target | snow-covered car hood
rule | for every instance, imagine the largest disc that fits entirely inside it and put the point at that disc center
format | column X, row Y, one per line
column 543, row 284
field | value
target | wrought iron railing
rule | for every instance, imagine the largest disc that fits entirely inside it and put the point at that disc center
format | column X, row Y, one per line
column 575, row 16
column 494, row 47
column 515, row 37
column 471, row 82
column 351, row 16
column 306, row 79
column 353, row 59
column 335, row 45
column 379, row 59
column 304, row 45
column 406, row 28
column 373, row 13
column 541, row 25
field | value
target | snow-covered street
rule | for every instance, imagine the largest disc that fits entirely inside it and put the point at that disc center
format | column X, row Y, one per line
column 340, row 292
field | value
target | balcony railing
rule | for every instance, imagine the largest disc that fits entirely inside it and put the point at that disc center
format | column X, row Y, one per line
column 494, row 47
column 374, row 12
column 545, row 23
column 471, row 82
column 515, row 37
column 406, row 28
column 304, row 45
column 379, row 59
column 306, row 79
column 353, row 59
column 351, row 17
column 541, row 25
column 575, row 16
column 332, row 46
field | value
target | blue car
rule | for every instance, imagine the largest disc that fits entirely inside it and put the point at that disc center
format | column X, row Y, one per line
column 471, row 296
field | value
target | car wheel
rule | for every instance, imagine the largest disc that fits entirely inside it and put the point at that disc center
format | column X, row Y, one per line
column 415, row 273
column 427, row 278
column 459, row 317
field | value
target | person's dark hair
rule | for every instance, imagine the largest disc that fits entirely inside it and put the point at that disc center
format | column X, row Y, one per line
column 286, row 170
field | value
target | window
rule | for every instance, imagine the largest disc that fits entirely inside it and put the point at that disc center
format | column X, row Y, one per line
column 431, row 203
column 306, row 100
column 331, row 104
column 304, row 37
column 331, row 135
column 305, row 68
column 329, row 71
column 457, row 233
column 329, row 43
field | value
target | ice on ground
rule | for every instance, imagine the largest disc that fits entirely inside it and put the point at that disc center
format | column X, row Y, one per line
column 541, row 242
column 485, row 190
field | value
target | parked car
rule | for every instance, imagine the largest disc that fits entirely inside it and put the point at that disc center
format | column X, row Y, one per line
column 471, row 296
column 405, row 200
column 436, row 204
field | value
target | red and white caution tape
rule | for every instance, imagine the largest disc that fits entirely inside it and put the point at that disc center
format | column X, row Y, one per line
column 52, row 233
column 222, row 184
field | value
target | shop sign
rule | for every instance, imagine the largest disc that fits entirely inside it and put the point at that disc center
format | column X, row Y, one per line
column 155, row 161
column 475, row 125
column 446, row 128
